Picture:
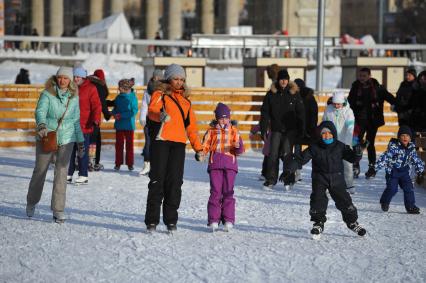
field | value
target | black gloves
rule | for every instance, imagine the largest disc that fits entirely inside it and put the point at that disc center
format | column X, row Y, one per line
column 199, row 156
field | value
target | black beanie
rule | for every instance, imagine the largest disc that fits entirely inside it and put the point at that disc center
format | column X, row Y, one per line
column 405, row 130
column 283, row 75
column 412, row 71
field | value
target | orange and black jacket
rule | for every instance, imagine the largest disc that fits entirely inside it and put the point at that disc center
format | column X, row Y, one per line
column 179, row 127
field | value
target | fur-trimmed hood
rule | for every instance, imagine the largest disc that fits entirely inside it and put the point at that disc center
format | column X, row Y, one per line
column 166, row 88
column 51, row 84
column 292, row 86
column 96, row 80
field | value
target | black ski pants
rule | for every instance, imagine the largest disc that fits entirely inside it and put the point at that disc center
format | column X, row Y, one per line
column 336, row 185
column 371, row 132
column 166, row 179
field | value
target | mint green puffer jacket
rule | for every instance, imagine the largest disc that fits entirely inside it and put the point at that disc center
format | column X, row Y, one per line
column 50, row 107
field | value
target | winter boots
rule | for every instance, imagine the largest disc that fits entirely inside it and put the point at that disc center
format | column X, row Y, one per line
column 385, row 207
column 357, row 228
column 171, row 228
column 227, row 227
column 214, row 226
column 151, row 228
column 146, row 168
column 268, row 185
column 371, row 172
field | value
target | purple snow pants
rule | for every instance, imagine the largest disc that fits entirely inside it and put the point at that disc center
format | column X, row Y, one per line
column 221, row 205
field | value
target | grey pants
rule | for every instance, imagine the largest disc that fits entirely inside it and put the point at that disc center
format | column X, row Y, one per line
column 348, row 174
column 62, row 159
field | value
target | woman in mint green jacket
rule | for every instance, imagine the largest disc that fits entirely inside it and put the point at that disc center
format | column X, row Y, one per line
column 51, row 105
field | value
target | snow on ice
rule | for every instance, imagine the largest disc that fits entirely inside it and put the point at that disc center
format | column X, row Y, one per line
column 104, row 238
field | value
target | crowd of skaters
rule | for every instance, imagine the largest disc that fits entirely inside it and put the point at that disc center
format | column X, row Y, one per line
column 289, row 118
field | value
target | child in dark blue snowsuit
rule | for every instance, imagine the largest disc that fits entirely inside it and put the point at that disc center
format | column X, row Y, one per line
column 397, row 159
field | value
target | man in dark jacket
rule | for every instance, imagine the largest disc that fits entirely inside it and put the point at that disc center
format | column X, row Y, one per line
column 404, row 97
column 419, row 105
column 23, row 77
column 366, row 99
column 98, row 79
column 284, row 112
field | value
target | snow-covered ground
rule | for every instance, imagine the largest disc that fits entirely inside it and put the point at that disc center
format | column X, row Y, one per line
column 227, row 77
column 104, row 239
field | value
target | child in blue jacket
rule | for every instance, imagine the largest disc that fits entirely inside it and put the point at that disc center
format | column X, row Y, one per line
column 124, row 112
column 397, row 160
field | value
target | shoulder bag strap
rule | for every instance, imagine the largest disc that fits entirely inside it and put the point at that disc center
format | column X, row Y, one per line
column 63, row 115
column 185, row 121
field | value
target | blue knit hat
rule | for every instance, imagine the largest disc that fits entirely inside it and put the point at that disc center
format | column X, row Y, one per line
column 405, row 130
column 222, row 111
column 79, row 72
column 173, row 71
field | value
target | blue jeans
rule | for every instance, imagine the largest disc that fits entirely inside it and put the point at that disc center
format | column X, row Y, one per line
column 145, row 151
column 83, row 163
column 401, row 177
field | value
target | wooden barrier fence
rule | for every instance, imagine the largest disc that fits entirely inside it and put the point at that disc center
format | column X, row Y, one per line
column 17, row 104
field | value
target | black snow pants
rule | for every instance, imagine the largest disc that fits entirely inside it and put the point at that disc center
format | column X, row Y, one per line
column 166, row 179
column 336, row 185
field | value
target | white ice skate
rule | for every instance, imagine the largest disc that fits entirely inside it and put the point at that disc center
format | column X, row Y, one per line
column 69, row 179
column 316, row 231
column 288, row 187
column 214, row 226
column 228, row 227
column 145, row 170
column 81, row 180
column 59, row 217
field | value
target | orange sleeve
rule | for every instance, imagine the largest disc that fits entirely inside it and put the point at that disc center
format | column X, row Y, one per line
column 155, row 106
column 192, row 132
column 207, row 141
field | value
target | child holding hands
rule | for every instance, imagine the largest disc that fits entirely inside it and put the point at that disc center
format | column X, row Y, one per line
column 222, row 140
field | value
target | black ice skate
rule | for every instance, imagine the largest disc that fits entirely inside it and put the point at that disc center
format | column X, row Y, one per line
column 413, row 210
column 371, row 173
column 385, row 206
column 357, row 228
column 171, row 228
column 151, row 228
column 317, row 230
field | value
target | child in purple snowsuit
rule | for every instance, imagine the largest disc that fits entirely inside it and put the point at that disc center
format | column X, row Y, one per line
column 222, row 140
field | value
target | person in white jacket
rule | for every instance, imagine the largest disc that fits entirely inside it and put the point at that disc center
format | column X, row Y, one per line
column 342, row 116
column 156, row 76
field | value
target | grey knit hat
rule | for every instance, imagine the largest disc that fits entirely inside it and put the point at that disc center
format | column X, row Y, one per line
column 173, row 71
column 65, row 71
column 158, row 73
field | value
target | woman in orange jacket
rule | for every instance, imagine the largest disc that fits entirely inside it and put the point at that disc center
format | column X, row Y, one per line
column 171, row 121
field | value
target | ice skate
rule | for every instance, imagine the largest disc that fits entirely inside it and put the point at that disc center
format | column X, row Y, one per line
column 298, row 176
column 268, row 186
column 356, row 171
column 81, row 180
column 117, row 168
column 371, row 173
column 171, row 229
column 228, row 227
column 98, row 167
column 30, row 210
column 146, row 168
column 289, row 187
column 69, row 179
column 317, row 230
column 357, row 229
column 150, row 228
column 130, row 167
column 214, row 226
column 413, row 210
column 385, row 207
column 59, row 217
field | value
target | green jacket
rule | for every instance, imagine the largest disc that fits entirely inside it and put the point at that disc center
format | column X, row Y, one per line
column 51, row 106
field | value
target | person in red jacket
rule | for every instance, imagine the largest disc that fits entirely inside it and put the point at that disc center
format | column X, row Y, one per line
column 90, row 117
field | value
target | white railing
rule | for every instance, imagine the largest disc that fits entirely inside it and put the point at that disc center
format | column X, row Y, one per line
column 223, row 49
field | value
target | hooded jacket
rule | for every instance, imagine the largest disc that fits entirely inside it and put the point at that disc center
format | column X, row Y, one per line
column 397, row 156
column 125, row 104
column 367, row 103
column 404, row 102
column 90, row 106
column 50, row 108
column 283, row 109
column 344, row 121
column 326, row 158
column 103, row 93
column 173, row 130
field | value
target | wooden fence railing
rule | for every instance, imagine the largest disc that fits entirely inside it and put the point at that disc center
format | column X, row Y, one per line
column 17, row 104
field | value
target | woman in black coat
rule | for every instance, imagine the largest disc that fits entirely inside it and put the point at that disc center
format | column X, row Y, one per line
column 404, row 98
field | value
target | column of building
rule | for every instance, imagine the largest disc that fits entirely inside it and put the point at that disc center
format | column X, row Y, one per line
column 37, row 15
column 207, row 16
column 56, row 17
column 117, row 6
column 232, row 14
column 96, row 10
column 173, row 15
column 152, row 15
